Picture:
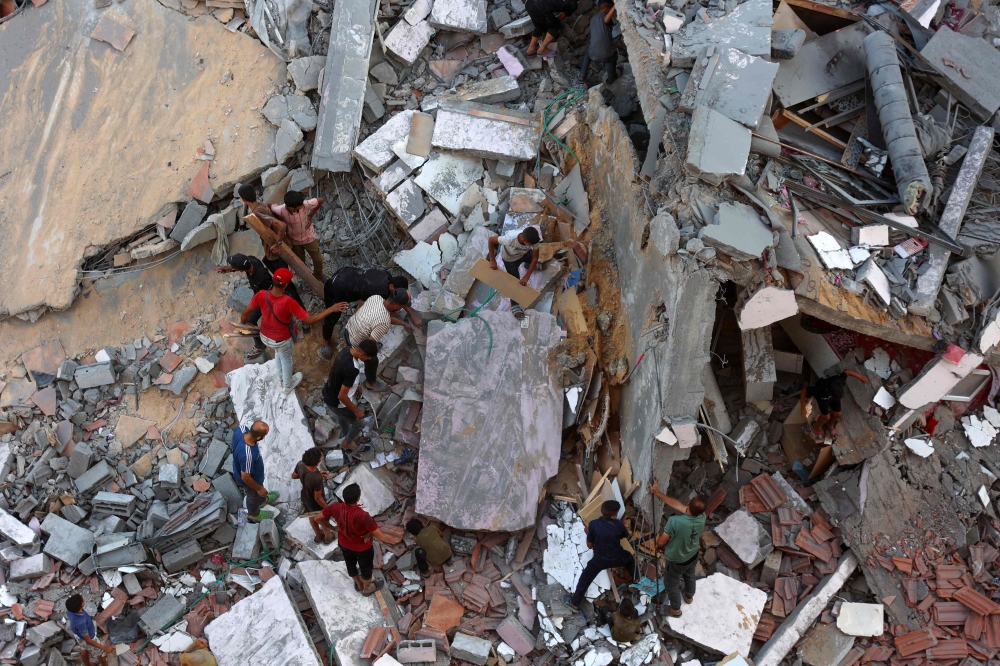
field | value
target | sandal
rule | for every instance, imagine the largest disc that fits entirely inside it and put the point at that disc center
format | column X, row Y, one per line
column 356, row 586
column 252, row 354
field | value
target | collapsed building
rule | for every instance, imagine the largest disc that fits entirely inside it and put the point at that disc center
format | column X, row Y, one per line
column 769, row 194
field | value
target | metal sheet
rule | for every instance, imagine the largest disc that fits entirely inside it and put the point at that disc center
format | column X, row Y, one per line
column 822, row 65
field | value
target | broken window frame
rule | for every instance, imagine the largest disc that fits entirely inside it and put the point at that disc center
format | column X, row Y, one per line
column 984, row 376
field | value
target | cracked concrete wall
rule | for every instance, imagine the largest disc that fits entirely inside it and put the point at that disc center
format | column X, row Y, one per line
column 645, row 62
column 668, row 382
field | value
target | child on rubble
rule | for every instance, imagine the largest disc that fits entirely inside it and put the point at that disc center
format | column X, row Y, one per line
column 82, row 626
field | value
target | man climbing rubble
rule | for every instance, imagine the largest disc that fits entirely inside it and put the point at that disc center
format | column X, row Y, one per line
column 260, row 279
column 828, row 392
column 341, row 389
column 517, row 248
column 248, row 469
column 355, row 531
column 604, row 536
column 82, row 626
column 278, row 312
column 352, row 285
column 312, row 496
column 547, row 17
column 601, row 49
column 297, row 215
column 371, row 322
column 679, row 541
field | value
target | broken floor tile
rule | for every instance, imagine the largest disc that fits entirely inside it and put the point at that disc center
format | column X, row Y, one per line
column 738, row 232
column 406, row 202
column 375, row 152
column 407, row 41
column 114, row 33
column 420, row 261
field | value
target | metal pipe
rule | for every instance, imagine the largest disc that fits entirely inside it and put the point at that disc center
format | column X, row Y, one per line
column 893, row 106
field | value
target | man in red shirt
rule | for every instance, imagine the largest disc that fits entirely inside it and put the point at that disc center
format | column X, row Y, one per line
column 277, row 314
column 355, row 529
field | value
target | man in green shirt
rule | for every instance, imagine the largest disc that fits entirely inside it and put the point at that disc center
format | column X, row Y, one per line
column 679, row 542
column 431, row 550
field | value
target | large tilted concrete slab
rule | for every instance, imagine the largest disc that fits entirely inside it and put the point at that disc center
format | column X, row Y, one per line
column 795, row 625
column 723, row 617
column 124, row 127
column 747, row 28
column 929, row 283
column 935, row 380
column 342, row 96
column 257, row 395
column 340, row 609
column 264, row 629
column 491, row 422
column 486, row 131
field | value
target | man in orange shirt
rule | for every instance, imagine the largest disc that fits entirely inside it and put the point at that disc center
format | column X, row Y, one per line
column 355, row 530
column 277, row 314
column 297, row 214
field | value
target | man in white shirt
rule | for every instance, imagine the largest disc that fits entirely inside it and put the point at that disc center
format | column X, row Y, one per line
column 517, row 248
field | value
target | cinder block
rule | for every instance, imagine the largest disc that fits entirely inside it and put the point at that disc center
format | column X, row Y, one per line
column 67, row 369
column 158, row 514
column 95, row 478
column 114, row 504
column 79, row 462
column 268, row 533
column 162, row 612
column 471, row 649
column 94, row 375
column 515, row 635
column 182, row 557
column 226, row 485
column 35, row 566
column 31, row 656
column 73, row 513
column 247, row 544
column 169, row 476
column 45, row 634
column 416, row 652
column 212, row 460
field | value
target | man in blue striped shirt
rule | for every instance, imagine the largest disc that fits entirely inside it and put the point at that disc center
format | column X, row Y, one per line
column 248, row 468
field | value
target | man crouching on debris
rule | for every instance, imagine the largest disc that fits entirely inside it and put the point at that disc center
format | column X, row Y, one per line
column 82, row 626
column 679, row 541
column 547, row 17
column 277, row 314
column 516, row 248
column 342, row 387
column 828, row 393
column 355, row 530
column 604, row 536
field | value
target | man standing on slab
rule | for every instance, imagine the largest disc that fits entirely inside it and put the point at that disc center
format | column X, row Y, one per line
column 341, row 390
column 248, row 469
column 355, row 530
column 679, row 541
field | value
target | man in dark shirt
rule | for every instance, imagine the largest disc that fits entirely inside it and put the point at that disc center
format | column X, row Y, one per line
column 602, row 48
column 312, row 495
column 604, row 536
column 342, row 385
column 353, row 285
column 828, row 393
column 547, row 17
column 248, row 469
column 260, row 279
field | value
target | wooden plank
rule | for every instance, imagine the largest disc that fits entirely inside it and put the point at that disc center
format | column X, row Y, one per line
column 285, row 252
column 823, row 9
column 572, row 312
column 505, row 283
column 801, row 122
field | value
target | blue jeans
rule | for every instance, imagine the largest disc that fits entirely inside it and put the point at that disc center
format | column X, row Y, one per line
column 282, row 357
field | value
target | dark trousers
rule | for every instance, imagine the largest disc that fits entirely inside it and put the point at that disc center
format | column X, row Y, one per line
column 371, row 365
column 363, row 560
column 677, row 572
column 513, row 265
column 421, row 555
column 350, row 425
column 595, row 566
column 254, row 319
column 610, row 66
column 329, row 323
column 544, row 22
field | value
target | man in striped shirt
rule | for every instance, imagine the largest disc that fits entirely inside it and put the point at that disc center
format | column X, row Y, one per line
column 371, row 322
column 297, row 214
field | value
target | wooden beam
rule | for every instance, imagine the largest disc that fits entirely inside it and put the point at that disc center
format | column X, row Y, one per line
column 803, row 123
column 285, row 252
column 823, row 9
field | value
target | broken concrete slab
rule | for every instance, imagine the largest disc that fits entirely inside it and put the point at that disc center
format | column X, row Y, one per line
column 802, row 618
column 393, row 175
column 304, row 72
column 288, row 140
column 490, row 91
column 811, row 72
column 566, row 555
column 747, row 28
column 66, row 541
column 830, row 252
column 717, row 146
column 339, row 607
column 418, row 11
column 746, row 537
column 376, row 152
column 406, row 41
column 938, row 377
column 970, row 74
column 486, row 131
column 431, row 224
column 723, row 617
column 445, row 177
column 507, row 393
column 191, row 218
column 342, row 96
column 300, row 532
column 17, row 532
column 406, row 202
column 251, row 388
column 263, row 628
column 738, row 87
column 825, row 646
column 297, row 108
column 94, row 375
column 767, row 306
column 27, row 568
column 419, row 262
column 476, row 247
column 376, row 497
column 737, row 232
column 459, row 16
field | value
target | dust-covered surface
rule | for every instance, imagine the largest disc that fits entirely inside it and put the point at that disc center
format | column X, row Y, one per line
column 94, row 141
